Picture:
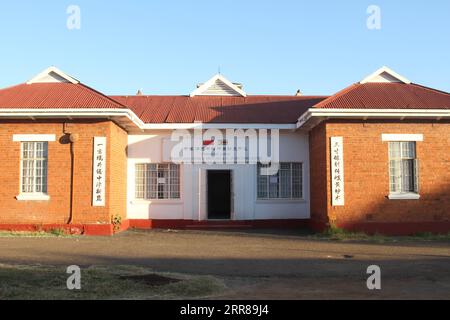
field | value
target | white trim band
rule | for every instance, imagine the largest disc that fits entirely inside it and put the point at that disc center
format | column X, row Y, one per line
column 33, row 197
column 365, row 114
column 402, row 137
column 34, row 137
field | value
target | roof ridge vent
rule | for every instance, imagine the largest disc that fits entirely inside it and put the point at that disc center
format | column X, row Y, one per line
column 219, row 86
column 53, row 75
column 385, row 75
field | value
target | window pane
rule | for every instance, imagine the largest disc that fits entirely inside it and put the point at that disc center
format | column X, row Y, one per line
column 140, row 181
column 402, row 172
column 27, row 175
column 157, row 181
column 40, row 153
column 407, row 176
column 285, row 180
column 44, row 175
column 394, row 150
column 286, row 184
column 174, row 181
column 152, row 181
column 274, row 186
column 395, row 175
column 39, row 175
column 34, row 167
column 297, row 181
column 416, row 175
column 262, row 184
column 163, row 183
column 28, row 150
column 408, row 150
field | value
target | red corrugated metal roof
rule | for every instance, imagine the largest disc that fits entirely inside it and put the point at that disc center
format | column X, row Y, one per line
column 54, row 96
column 219, row 109
column 223, row 109
column 387, row 96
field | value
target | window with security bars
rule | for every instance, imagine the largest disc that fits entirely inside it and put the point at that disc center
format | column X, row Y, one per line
column 157, row 181
column 34, row 159
column 286, row 184
column 403, row 168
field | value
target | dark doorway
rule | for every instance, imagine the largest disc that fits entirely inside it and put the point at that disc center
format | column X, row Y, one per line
column 219, row 194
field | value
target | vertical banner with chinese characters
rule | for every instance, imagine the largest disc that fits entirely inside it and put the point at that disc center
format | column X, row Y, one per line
column 99, row 172
column 337, row 171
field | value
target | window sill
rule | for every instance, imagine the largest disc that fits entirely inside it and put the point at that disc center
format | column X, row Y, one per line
column 404, row 196
column 33, row 197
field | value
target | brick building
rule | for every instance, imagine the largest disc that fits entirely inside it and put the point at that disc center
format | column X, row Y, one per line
column 373, row 157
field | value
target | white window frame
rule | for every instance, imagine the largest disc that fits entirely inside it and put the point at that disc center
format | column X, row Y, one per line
column 403, row 195
column 32, row 196
column 279, row 198
column 146, row 192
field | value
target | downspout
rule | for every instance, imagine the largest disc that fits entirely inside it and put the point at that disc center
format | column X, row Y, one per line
column 199, row 194
column 72, row 138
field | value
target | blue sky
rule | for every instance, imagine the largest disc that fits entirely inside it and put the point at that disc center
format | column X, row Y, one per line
column 272, row 47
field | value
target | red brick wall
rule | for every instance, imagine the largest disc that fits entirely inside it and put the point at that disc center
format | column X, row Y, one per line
column 318, row 174
column 118, row 168
column 367, row 177
column 57, row 209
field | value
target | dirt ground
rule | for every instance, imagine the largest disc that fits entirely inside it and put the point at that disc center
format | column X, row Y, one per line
column 257, row 264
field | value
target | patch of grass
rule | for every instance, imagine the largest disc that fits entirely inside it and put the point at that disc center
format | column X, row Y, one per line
column 59, row 232
column 100, row 282
column 428, row 236
column 198, row 287
column 335, row 233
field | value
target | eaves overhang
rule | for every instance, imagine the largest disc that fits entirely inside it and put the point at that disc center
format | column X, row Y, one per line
column 124, row 118
column 315, row 116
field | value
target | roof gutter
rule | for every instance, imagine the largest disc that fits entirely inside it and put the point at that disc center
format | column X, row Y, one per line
column 315, row 116
column 131, row 119
column 127, row 119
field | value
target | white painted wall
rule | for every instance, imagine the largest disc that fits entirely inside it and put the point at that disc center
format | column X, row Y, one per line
column 148, row 148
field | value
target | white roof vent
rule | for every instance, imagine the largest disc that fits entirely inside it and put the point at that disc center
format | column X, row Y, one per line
column 53, row 75
column 385, row 75
column 219, row 86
